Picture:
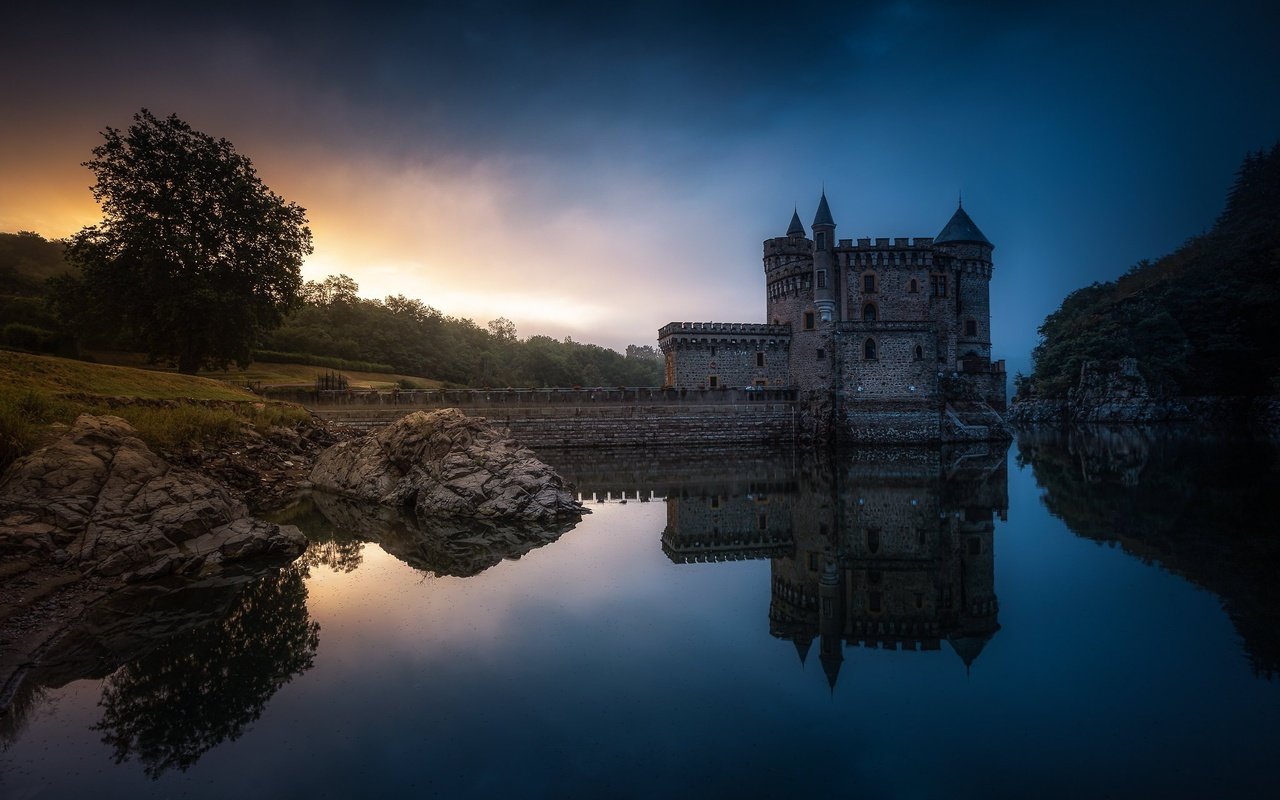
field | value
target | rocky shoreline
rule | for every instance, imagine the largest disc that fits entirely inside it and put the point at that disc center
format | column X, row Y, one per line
column 97, row 510
column 1248, row 416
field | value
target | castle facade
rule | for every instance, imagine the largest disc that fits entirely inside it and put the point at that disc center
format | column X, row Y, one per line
column 883, row 340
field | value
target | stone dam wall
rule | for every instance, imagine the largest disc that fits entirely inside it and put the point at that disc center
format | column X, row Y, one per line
column 710, row 421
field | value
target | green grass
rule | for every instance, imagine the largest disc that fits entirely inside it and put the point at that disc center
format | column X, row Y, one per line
column 266, row 373
column 170, row 411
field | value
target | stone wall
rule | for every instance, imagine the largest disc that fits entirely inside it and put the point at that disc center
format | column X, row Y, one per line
column 710, row 428
column 896, row 372
column 888, row 422
column 725, row 355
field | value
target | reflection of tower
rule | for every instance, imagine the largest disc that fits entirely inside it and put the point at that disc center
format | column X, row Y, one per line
column 831, row 622
column 892, row 549
column 977, row 596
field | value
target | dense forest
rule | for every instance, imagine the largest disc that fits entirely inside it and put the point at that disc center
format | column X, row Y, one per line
column 1200, row 321
column 335, row 327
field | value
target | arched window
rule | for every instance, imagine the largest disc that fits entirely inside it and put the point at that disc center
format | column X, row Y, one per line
column 869, row 350
column 869, row 312
column 919, row 353
column 914, row 286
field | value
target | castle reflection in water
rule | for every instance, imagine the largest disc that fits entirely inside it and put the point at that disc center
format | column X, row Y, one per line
column 885, row 547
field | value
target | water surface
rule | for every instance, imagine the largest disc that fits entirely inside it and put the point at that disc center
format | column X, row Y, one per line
column 1085, row 614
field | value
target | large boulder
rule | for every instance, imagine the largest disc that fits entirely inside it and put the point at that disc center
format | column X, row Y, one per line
column 444, row 463
column 100, row 501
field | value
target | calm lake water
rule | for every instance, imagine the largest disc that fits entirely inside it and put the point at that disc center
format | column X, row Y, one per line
column 1087, row 615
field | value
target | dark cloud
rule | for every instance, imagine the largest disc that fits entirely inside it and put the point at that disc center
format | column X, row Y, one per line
column 1087, row 135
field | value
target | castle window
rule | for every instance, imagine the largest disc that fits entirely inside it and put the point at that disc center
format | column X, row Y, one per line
column 869, row 350
column 868, row 283
column 938, row 285
column 873, row 540
column 713, row 352
column 822, row 279
column 869, row 312
column 822, row 240
column 759, row 359
column 873, row 602
column 970, row 327
column 808, row 320
column 821, row 354
column 713, row 381
column 763, row 522
column 919, row 353
column 914, row 286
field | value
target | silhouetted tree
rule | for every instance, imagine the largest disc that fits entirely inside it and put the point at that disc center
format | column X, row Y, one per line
column 195, row 257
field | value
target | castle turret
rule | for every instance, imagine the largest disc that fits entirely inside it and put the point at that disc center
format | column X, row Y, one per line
column 788, row 275
column 965, row 253
column 825, row 274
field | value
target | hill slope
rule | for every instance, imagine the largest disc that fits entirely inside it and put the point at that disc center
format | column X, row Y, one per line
column 1200, row 321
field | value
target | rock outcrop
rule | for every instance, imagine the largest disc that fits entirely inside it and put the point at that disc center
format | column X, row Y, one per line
column 446, row 464
column 100, row 502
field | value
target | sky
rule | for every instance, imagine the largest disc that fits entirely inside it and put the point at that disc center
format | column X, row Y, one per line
column 597, row 170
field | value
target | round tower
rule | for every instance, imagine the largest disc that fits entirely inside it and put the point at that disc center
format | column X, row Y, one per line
column 788, row 274
column 964, row 253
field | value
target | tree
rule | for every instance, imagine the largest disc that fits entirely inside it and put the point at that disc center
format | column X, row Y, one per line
column 195, row 257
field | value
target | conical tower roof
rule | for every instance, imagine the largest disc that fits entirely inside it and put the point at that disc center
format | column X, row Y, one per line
column 961, row 229
column 969, row 647
column 797, row 227
column 802, row 648
column 823, row 217
column 831, row 666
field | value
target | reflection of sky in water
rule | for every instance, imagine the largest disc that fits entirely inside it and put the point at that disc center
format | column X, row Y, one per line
column 595, row 666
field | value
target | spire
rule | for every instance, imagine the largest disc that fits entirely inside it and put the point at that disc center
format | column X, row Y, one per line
column 802, row 648
column 823, row 217
column 797, row 227
column 831, row 666
column 961, row 229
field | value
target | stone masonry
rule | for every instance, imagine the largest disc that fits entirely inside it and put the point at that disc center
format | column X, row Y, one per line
column 886, row 339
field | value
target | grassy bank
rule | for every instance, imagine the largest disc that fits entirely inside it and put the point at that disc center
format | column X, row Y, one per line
column 169, row 410
column 275, row 374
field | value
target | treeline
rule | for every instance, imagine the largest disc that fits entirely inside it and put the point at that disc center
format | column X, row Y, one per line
column 27, row 320
column 335, row 326
column 1200, row 321
column 416, row 339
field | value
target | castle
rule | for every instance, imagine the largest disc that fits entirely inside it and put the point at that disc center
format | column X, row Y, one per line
column 884, row 340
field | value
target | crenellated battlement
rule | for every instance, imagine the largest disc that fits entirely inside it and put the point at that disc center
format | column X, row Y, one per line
column 722, row 329
column 885, row 243
column 787, row 245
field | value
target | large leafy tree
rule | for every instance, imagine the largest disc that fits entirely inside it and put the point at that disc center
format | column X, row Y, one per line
column 195, row 257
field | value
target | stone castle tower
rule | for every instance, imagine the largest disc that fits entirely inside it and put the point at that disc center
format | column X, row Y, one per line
column 892, row 335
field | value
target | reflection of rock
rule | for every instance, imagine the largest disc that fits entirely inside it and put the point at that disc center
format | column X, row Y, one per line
column 1201, row 508
column 99, row 500
column 443, row 463
column 443, row 546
